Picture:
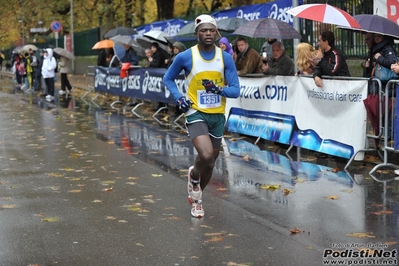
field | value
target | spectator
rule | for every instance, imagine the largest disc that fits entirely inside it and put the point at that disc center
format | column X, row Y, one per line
column 2, row 57
column 248, row 60
column 26, row 59
column 65, row 85
column 178, row 47
column 158, row 58
column 130, row 56
column 49, row 65
column 367, row 65
column 34, row 65
column 280, row 63
column 42, row 84
column 170, row 53
column 383, row 52
column 224, row 44
column 112, row 60
column 305, row 58
column 267, row 46
column 331, row 61
column 148, row 54
column 102, row 58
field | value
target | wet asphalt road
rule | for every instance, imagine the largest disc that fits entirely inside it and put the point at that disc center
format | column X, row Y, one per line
column 83, row 185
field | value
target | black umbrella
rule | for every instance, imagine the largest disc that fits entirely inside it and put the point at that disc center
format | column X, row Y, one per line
column 120, row 31
column 268, row 28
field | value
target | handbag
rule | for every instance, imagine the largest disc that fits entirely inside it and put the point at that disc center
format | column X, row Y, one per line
column 384, row 73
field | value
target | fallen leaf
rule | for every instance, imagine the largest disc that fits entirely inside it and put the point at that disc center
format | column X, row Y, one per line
column 347, row 190
column 246, row 158
column 156, row 175
column 108, row 189
column 215, row 239
column 334, row 170
column 332, row 197
column 300, row 181
column 75, row 191
column 361, row 235
column 97, row 201
column 295, row 230
column 270, row 187
column 288, row 191
column 383, row 212
column 122, row 221
column 205, row 226
column 139, row 244
column 215, row 234
column 391, row 243
column 174, row 218
column 8, row 206
column 222, row 189
column 50, row 219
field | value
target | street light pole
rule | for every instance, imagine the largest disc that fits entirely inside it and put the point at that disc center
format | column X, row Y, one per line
column 72, row 41
column 22, row 29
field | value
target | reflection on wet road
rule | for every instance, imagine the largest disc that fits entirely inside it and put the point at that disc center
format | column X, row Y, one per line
column 325, row 201
column 312, row 194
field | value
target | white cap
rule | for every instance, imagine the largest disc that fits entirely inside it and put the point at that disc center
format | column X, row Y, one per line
column 201, row 19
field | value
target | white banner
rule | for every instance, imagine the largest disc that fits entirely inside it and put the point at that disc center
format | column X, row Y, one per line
column 293, row 110
column 387, row 9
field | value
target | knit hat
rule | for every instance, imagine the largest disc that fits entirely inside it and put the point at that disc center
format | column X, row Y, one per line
column 201, row 19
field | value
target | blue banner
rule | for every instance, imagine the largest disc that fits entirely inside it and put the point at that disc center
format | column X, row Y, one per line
column 170, row 27
column 275, row 10
column 141, row 83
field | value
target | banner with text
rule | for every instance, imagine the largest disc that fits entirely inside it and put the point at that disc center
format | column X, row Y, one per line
column 142, row 83
column 292, row 110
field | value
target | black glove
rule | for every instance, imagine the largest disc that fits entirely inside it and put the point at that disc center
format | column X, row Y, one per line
column 210, row 87
column 184, row 104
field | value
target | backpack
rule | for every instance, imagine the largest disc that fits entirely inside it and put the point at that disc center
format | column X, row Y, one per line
column 21, row 69
column 57, row 66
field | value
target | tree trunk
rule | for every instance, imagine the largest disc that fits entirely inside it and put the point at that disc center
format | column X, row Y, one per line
column 165, row 9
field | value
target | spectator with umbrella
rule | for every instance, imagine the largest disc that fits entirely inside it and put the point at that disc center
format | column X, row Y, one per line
column 158, row 58
column 280, row 63
column 248, row 60
column 130, row 56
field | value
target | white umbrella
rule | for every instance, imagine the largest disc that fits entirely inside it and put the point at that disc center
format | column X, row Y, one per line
column 157, row 35
column 65, row 53
column 30, row 46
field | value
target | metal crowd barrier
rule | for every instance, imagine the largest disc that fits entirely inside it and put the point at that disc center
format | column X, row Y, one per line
column 386, row 121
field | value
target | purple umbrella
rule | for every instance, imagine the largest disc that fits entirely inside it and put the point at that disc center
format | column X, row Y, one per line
column 268, row 28
column 377, row 24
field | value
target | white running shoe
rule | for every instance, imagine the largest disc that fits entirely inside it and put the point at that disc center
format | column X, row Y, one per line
column 396, row 172
column 61, row 92
column 196, row 210
column 194, row 193
column 49, row 99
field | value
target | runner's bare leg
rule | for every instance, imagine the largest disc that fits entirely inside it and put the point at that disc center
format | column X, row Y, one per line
column 205, row 160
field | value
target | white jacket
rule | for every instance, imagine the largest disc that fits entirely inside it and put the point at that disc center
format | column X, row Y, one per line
column 49, row 64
